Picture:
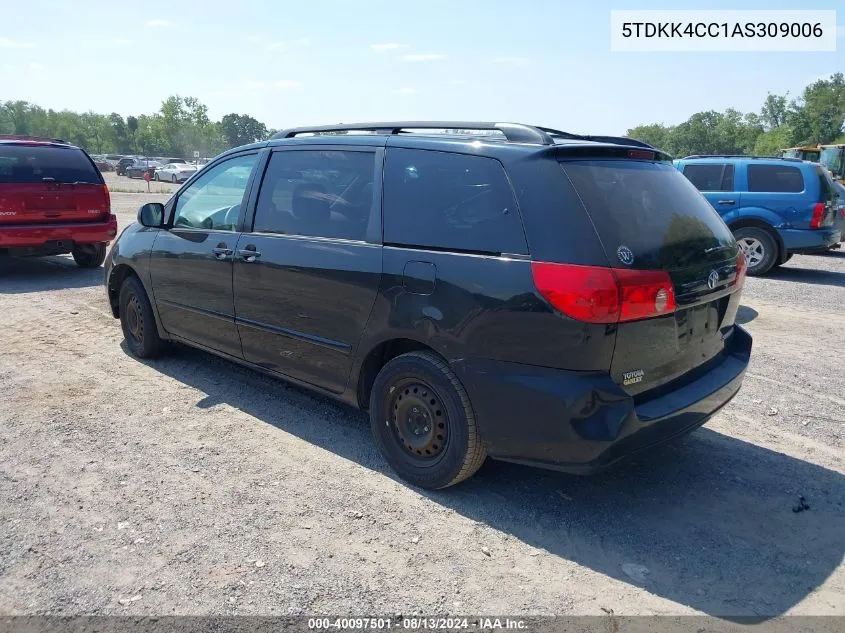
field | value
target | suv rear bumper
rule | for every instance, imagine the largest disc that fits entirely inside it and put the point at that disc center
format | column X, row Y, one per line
column 582, row 422
column 809, row 240
column 35, row 236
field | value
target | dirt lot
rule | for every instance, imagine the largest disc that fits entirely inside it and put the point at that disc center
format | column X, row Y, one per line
column 189, row 485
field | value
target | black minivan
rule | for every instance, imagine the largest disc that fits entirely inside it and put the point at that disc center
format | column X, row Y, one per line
column 481, row 289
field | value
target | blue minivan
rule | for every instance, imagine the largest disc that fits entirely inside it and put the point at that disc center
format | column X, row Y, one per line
column 775, row 207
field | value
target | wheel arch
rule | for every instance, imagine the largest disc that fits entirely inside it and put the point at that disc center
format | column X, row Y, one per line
column 377, row 357
column 741, row 223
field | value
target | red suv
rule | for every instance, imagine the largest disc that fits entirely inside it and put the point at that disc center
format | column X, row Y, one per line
column 53, row 200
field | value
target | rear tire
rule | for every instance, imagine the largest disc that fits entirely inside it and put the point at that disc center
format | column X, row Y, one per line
column 89, row 255
column 760, row 248
column 173, row 179
column 137, row 320
column 423, row 423
column 155, row 177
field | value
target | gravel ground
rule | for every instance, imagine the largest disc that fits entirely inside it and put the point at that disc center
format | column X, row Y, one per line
column 189, row 485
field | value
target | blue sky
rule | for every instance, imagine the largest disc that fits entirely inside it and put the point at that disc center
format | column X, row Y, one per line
column 324, row 61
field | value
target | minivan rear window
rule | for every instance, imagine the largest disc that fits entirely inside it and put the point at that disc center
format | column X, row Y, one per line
column 34, row 163
column 648, row 215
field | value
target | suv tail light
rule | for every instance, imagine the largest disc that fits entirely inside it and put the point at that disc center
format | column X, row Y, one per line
column 604, row 295
column 107, row 196
column 818, row 215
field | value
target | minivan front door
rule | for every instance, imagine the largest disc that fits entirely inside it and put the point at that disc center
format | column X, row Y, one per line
column 191, row 261
column 307, row 275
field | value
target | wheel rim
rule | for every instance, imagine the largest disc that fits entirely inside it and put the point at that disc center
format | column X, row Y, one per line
column 135, row 319
column 754, row 250
column 418, row 420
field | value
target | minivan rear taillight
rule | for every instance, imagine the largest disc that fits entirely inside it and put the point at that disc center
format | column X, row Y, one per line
column 604, row 295
column 741, row 269
column 107, row 196
column 818, row 215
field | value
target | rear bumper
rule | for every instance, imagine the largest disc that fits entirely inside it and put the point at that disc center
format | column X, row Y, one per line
column 582, row 422
column 807, row 241
column 34, row 236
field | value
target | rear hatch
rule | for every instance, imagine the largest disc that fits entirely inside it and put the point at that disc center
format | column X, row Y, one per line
column 824, row 211
column 48, row 184
column 676, row 263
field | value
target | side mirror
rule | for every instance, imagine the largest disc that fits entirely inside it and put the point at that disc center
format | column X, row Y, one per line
column 151, row 215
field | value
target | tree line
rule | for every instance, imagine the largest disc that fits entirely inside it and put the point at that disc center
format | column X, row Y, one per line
column 182, row 126
column 816, row 116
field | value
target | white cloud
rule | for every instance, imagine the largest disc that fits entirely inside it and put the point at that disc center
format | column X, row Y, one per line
column 121, row 41
column 36, row 66
column 160, row 24
column 512, row 61
column 270, row 44
column 407, row 91
column 427, row 57
column 286, row 83
column 389, row 46
column 6, row 42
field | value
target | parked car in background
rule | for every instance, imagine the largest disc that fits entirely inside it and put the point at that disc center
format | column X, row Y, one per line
column 101, row 163
column 113, row 159
column 53, row 201
column 122, row 164
column 173, row 160
column 448, row 283
column 142, row 166
column 175, row 172
column 775, row 206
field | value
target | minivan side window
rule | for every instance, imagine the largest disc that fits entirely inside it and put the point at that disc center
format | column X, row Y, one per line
column 317, row 193
column 450, row 201
column 711, row 176
column 775, row 179
column 213, row 201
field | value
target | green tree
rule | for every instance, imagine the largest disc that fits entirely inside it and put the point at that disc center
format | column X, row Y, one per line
column 132, row 128
column 771, row 142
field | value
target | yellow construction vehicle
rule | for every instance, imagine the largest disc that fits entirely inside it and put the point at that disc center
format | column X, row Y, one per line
column 807, row 152
column 833, row 158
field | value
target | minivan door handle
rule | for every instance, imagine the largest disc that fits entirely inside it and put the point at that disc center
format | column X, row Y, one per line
column 222, row 251
column 249, row 254
column 727, row 201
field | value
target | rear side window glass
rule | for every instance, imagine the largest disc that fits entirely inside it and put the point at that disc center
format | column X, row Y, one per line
column 34, row 163
column 317, row 193
column 450, row 201
column 648, row 215
column 711, row 177
column 775, row 179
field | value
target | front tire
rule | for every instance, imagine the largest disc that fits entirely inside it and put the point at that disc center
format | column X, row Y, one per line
column 89, row 255
column 760, row 248
column 173, row 179
column 156, row 178
column 137, row 320
column 423, row 423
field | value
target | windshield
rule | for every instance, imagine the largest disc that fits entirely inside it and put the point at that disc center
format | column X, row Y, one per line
column 831, row 158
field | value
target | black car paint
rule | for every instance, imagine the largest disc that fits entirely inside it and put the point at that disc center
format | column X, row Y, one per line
column 464, row 306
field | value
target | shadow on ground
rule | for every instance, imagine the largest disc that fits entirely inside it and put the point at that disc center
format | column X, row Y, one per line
column 808, row 276
column 711, row 517
column 745, row 314
column 23, row 275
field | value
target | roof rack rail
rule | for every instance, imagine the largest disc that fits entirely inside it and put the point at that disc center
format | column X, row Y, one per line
column 614, row 140
column 513, row 132
column 787, row 158
column 27, row 137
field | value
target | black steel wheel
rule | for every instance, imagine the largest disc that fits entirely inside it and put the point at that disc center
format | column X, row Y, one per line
column 137, row 320
column 423, row 422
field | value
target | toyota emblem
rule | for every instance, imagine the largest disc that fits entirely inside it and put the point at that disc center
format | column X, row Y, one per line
column 712, row 279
